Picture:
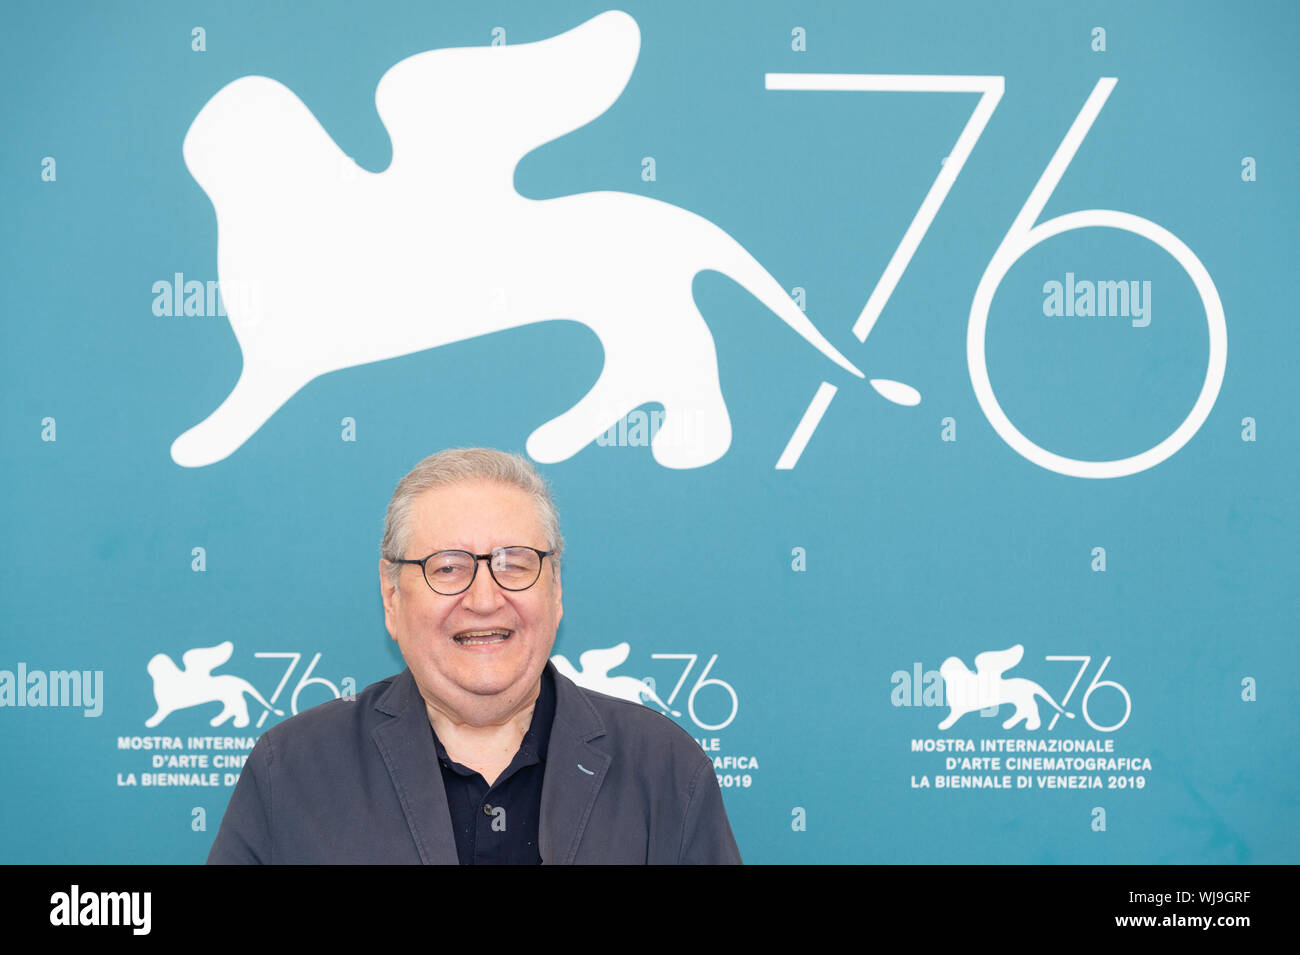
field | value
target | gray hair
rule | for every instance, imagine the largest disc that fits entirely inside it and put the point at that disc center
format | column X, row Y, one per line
column 456, row 466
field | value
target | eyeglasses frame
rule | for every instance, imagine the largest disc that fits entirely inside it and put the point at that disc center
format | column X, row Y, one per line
column 424, row 571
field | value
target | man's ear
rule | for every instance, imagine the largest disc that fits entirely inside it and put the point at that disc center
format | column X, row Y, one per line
column 559, row 602
column 388, row 590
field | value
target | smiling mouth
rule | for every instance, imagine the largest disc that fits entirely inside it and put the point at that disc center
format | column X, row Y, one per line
column 478, row 638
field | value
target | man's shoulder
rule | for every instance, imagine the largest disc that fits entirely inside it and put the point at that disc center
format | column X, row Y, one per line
column 622, row 712
column 633, row 727
column 658, row 781
column 334, row 718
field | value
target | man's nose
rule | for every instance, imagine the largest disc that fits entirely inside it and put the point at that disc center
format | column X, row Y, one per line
column 484, row 595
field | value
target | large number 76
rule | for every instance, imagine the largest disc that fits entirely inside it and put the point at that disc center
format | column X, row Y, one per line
column 1023, row 235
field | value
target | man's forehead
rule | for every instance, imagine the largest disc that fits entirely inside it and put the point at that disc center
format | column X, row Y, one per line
column 476, row 512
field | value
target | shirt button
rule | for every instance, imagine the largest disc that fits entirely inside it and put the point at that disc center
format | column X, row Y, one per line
column 487, row 810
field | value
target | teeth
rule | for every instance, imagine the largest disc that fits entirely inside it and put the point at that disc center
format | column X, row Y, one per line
column 475, row 638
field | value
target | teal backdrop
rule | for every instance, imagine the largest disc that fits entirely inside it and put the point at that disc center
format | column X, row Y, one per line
column 796, row 618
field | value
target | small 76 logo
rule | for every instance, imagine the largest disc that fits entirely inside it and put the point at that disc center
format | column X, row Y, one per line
column 194, row 684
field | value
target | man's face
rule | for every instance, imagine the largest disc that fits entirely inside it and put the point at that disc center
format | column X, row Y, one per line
column 460, row 668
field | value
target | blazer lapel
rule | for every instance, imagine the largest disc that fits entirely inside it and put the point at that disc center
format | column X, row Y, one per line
column 575, row 771
column 406, row 744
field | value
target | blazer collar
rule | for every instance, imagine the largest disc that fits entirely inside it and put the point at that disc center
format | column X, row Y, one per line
column 575, row 770
column 406, row 744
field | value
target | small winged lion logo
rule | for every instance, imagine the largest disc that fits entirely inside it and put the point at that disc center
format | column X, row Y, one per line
column 176, row 688
column 967, row 692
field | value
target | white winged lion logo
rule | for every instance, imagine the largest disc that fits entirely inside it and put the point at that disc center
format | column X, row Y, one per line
column 326, row 266
column 177, row 688
column 967, row 692
column 594, row 675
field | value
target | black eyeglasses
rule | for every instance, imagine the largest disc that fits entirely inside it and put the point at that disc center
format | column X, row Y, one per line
column 451, row 572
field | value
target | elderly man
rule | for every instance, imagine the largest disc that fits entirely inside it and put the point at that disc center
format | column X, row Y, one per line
column 479, row 752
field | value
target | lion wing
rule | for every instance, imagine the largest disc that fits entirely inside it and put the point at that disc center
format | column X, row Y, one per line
column 993, row 663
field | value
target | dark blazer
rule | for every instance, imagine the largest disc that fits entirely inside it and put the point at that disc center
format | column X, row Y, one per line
column 357, row 781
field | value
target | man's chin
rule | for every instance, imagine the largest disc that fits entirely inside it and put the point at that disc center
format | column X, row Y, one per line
column 506, row 684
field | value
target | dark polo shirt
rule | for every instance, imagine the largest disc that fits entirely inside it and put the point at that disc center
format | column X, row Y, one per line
column 498, row 824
